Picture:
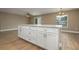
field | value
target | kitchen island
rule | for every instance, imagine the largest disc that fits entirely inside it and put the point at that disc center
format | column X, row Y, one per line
column 45, row 36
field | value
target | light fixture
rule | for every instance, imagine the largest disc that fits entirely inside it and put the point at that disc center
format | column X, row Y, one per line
column 61, row 13
column 27, row 15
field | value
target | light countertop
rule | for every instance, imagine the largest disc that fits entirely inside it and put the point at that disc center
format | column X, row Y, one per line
column 53, row 26
column 56, row 26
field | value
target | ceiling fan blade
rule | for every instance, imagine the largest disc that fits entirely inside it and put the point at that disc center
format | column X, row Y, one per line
column 28, row 15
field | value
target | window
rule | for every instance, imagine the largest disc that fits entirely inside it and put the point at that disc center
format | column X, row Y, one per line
column 62, row 20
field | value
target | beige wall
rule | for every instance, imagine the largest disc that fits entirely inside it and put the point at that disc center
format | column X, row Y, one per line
column 73, row 19
column 9, row 21
column 31, row 20
column 49, row 19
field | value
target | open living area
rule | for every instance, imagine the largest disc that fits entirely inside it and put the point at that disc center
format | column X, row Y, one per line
column 39, row 28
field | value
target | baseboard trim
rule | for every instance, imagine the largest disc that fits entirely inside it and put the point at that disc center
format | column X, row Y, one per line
column 8, row 29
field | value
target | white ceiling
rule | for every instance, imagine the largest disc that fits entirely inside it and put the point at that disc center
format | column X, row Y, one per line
column 33, row 11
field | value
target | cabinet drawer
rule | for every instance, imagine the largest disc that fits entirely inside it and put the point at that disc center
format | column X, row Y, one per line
column 50, row 35
column 33, row 28
column 40, row 29
column 52, row 30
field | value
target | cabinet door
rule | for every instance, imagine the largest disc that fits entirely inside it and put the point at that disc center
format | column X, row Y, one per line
column 29, row 35
column 52, row 41
column 43, row 39
column 25, row 33
column 40, row 39
column 33, row 36
column 22, row 32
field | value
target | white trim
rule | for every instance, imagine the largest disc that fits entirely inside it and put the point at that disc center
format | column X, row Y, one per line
column 8, row 29
column 70, row 31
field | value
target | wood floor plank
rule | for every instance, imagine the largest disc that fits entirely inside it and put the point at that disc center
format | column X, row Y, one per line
column 70, row 41
column 10, row 41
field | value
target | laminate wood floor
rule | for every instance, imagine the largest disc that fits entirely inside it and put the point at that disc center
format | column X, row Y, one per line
column 70, row 41
column 10, row 41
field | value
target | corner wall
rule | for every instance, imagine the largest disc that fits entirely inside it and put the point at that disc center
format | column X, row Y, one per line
column 11, row 21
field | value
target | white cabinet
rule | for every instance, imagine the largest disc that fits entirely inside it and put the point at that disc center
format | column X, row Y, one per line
column 47, row 38
column 41, row 38
column 33, row 36
column 52, row 42
column 20, row 32
column 26, row 33
column 52, row 39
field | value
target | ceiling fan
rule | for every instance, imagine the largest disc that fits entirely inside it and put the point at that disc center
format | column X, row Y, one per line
column 28, row 15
